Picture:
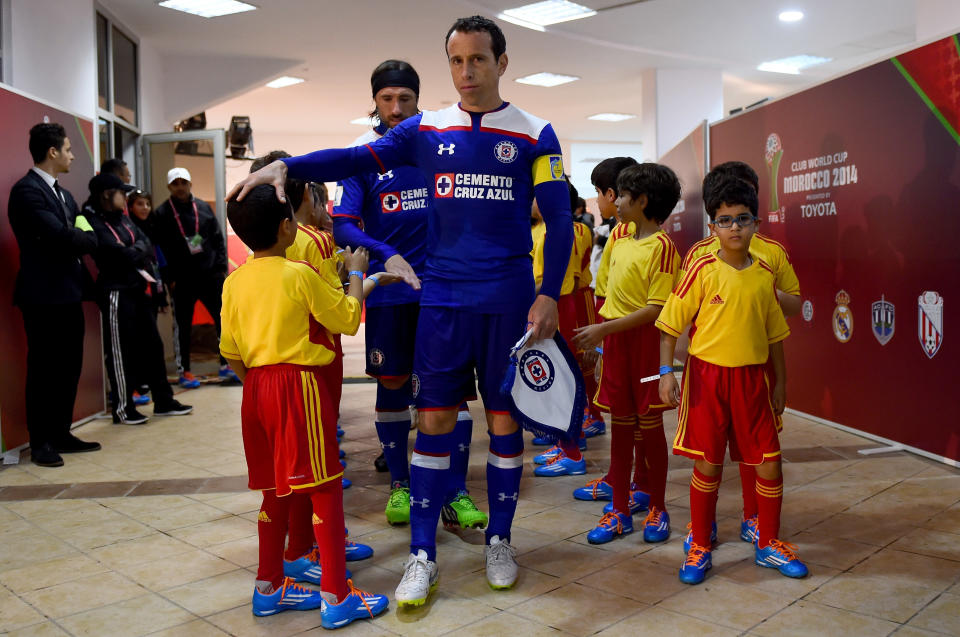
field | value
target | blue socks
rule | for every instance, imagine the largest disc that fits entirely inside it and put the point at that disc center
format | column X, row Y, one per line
column 460, row 453
column 429, row 473
column 504, row 470
column 393, row 429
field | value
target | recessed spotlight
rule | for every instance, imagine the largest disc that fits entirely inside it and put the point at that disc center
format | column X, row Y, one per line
column 546, row 79
column 540, row 14
column 286, row 80
column 208, row 8
column 611, row 117
column 792, row 65
column 791, row 16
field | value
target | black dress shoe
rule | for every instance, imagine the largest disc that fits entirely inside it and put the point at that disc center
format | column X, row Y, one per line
column 45, row 456
column 72, row 444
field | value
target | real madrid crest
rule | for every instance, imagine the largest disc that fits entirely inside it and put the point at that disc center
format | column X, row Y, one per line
column 930, row 322
column 843, row 318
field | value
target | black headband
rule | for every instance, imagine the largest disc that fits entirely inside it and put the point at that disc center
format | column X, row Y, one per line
column 396, row 77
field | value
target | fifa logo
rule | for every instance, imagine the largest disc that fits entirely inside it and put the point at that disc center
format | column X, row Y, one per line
column 446, row 149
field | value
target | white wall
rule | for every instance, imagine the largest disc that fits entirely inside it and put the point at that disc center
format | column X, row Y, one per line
column 937, row 18
column 686, row 97
column 54, row 52
column 153, row 119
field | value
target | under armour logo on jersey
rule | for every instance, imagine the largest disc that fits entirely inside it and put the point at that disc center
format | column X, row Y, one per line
column 386, row 175
column 388, row 445
column 716, row 300
column 423, row 503
column 503, row 497
column 446, row 149
column 462, row 447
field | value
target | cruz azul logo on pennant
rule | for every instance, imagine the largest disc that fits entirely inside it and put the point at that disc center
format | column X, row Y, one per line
column 882, row 319
column 930, row 322
column 843, row 318
column 536, row 370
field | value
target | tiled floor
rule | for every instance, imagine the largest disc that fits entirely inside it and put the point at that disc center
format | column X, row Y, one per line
column 156, row 534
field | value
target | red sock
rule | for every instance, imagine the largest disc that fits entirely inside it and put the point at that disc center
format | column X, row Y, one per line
column 655, row 455
column 272, row 531
column 748, row 481
column 300, row 532
column 703, row 505
column 621, row 457
column 769, row 502
column 571, row 448
column 328, row 529
column 640, row 463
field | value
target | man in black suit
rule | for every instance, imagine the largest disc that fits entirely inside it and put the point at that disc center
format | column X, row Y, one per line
column 52, row 236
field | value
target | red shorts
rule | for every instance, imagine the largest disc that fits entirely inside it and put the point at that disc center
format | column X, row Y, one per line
column 586, row 310
column 771, row 381
column 289, row 424
column 628, row 357
column 567, row 309
column 721, row 404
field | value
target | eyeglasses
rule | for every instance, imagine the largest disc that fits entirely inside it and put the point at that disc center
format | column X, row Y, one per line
column 744, row 220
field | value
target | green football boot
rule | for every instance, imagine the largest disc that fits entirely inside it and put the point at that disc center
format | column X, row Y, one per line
column 462, row 512
column 398, row 506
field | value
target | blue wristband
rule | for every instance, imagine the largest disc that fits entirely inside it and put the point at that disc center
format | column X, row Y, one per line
column 356, row 273
column 666, row 369
column 598, row 350
column 375, row 279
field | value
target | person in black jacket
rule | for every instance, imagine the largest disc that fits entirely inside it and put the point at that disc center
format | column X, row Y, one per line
column 131, row 342
column 52, row 237
column 188, row 233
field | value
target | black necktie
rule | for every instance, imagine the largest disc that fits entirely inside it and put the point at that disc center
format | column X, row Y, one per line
column 63, row 201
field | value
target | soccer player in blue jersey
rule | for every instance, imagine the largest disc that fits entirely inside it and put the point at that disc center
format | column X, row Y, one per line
column 484, row 161
column 386, row 213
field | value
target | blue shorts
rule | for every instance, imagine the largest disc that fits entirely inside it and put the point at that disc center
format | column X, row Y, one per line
column 451, row 344
column 390, row 334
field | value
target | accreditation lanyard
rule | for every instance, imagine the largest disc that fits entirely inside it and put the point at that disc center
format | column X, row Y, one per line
column 117, row 236
column 195, row 242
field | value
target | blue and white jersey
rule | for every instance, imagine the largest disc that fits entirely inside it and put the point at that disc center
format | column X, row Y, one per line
column 482, row 170
column 391, row 208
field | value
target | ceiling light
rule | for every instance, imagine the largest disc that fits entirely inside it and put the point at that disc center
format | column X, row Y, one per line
column 286, row 80
column 791, row 16
column 792, row 65
column 208, row 8
column 546, row 79
column 611, row 117
column 540, row 14
column 363, row 121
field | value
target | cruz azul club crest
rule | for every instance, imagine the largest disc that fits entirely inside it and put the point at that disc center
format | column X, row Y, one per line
column 536, row 370
column 843, row 318
column 882, row 319
column 930, row 322
column 505, row 151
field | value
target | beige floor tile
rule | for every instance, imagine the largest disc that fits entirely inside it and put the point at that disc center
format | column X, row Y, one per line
column 559, row 522
column 83, row 594
column 137, row 616
column 568, row 560
column 362, row 628
column 921, row 570
column 666, row 624
column 807, row 619
column 506, row 624
column 865, row 528
column 44, row 574
column 882, row 597
column 819, row 548
column 31, row 509
column 17, row 477
column 30, row 546
column 180, row 569
column 770, row 580
column 529, row 584
column 195, row 628
column 242, row 623
column 133, row 506
column 243, row 552
column 238, row 503
column 637, row 578
column 947, row 521
column 214, row 594
column 191, row 514
column 726, row 603
column 216, row 532
column 911, row 631
column 100, row 534
column 563, row 609
column 441, row 614
column 145, row 549
column 933, row 543
column 46, row 629
column 14, row 613
column 942, row 615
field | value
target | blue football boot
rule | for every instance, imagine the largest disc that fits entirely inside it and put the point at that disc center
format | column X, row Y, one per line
column 656, row 526
column 358, row 604
column 696, row 565
column 290, row 596
column 783, row 557
column 611, row 525
column 598, row 489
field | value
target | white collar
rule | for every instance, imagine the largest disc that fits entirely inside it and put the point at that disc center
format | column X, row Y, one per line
column 47, row 177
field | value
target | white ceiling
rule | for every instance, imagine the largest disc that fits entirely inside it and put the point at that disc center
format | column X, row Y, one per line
column 338, row 43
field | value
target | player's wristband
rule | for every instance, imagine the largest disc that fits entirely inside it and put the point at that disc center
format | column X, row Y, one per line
column 375, row 279
column 356, row 273
column 598, row 350
column 666, row 369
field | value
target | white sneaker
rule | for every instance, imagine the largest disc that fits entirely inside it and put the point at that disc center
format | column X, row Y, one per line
column 501, row 564
column 420, row 576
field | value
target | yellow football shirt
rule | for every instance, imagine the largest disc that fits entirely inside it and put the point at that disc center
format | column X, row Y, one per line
column 735, row 313
column 642, row 272
column 618, row 232
column 317, row 248
column 583, row 245
column 761, row 247
column 280, row 311
column 539, row 233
